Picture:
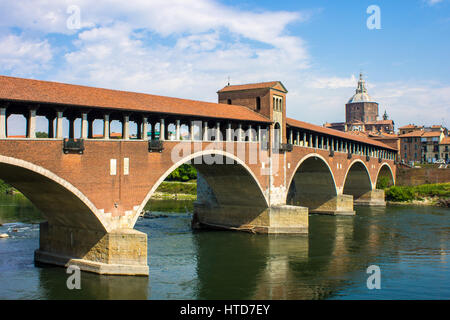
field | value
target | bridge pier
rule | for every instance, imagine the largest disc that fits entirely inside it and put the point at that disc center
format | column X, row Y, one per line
column 341, row 204
column 373, row 197
column 120, row 252
column 282, row 219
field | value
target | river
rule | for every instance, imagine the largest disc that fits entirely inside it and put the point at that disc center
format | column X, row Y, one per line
column 409, row 244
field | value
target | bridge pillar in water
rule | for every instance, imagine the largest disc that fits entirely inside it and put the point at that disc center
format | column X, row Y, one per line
column 231, row 201
column 76, row 232
column 373, row 197
column 340, row 204
column 119, row 252
column 313, row 187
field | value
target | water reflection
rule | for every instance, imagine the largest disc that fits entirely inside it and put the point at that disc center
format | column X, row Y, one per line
column 410, row 244
column 17, row 208
column 52, row 282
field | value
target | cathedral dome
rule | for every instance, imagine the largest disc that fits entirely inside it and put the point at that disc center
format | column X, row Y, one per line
column 361, row 94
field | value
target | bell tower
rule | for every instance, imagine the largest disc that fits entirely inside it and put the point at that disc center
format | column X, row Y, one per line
column 266, row 98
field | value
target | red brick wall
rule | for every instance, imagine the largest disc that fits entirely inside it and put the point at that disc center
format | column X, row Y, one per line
column 417, row 176
column 90, row 172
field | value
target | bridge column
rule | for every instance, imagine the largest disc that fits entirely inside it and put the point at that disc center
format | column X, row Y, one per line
column 71, row 126
column 50, row 119
column 2, row 123
column 126, row 127
column 229, row 135
column 218, row 138
column 162, row 130
column 59, row 124
column 106, row 126
column 177, row 130
column 191, row 130
column 91, row 128
column 304, row 139
column 144, row 132
column 84, row 125
column 240, row 132
column 205, row 131
column 31, row 128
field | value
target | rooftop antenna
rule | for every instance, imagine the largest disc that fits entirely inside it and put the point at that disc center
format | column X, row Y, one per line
column 228, row 80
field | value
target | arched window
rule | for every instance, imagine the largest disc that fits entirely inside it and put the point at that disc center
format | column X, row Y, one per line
column 277, row 134
column 258, row 103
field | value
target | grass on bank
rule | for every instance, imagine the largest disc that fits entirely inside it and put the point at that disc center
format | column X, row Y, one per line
column 177, row 188
column 410, row 193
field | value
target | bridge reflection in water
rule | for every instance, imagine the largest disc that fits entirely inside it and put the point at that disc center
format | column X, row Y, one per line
column 329, row 262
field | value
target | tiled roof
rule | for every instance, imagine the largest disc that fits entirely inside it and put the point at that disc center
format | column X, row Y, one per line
column 381, row 122
column 250, row 86
column 384, row 136
column 417, row 133
column 28, row 90
column 335, row 133
column 431, row 134
column 408, row 126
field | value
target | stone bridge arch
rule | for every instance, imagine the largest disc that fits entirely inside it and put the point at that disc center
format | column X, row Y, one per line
column 385, row 170
column 313, row 185
column 357, row 180
column 59, row 201
column 230, row 190
column 359, row 183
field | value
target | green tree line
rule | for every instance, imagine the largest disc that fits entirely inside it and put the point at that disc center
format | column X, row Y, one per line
column 183, row 173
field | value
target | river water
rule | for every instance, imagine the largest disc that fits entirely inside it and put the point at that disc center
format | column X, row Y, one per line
column 410, row 245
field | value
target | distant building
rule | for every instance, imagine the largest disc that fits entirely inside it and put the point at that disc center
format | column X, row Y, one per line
column 430, row 145
column 409, row 128
column 422, row 144
column 444, row 149
column 411, row 146
column 361, row 114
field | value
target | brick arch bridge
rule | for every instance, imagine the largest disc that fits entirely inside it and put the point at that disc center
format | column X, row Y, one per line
column 92, row 188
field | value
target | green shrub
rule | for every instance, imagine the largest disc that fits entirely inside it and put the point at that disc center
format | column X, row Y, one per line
column 185, row 172
column 407, row 193
column 399, row 194
column 384, row 182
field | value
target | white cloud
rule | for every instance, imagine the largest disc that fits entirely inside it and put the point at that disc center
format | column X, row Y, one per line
column 22, row 56
column 188, row 48
column 415, row 103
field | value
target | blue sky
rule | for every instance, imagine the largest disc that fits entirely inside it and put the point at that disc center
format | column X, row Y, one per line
column 188, row 48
